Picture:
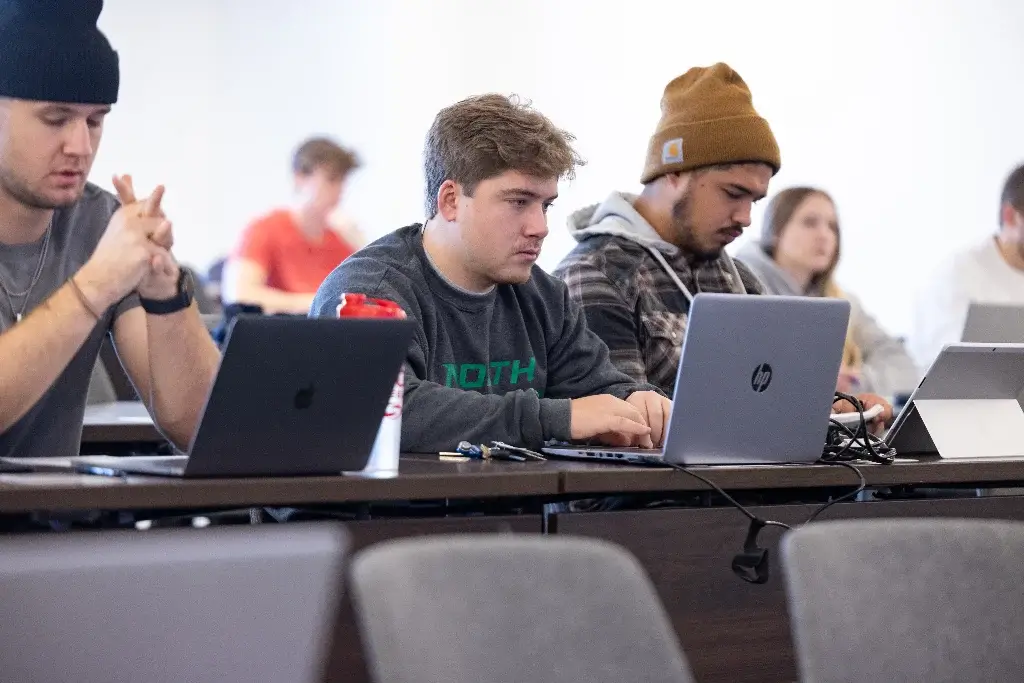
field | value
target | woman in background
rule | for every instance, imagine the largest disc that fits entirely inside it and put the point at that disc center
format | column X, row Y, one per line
column 796, row 255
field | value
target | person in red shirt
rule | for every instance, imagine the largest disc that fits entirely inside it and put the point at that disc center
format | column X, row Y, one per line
column 283, row 257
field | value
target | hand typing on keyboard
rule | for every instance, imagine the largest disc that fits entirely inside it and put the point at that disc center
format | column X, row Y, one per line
column 609, row 421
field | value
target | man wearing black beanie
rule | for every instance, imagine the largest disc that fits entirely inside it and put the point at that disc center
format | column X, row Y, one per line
column 75, row 265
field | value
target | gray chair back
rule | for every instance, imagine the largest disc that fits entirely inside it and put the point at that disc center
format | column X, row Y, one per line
column 228, row 604
column 906, row 601
column 502, row 607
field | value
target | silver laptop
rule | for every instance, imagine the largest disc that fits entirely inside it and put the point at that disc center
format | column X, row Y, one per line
column 755, row 385
column 994, row 323
column 293, row 396
column 224, row 604
column 969, row 405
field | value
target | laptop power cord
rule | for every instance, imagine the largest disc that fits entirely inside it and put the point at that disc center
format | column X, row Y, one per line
column 842, row 446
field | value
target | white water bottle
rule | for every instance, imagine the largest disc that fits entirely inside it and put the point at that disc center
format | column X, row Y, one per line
column 383, row 462
column 388, row 444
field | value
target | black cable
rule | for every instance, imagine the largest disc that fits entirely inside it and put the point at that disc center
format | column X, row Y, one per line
column 842, row 446
column 847, row 496
column 862, row 485
column 751, row 564
column 655, row 460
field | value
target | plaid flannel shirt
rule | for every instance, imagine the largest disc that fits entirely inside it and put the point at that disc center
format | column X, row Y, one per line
column 634, row 305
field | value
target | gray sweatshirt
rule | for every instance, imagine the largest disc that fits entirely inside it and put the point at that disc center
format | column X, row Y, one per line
column 495, row 366
column 887, row 370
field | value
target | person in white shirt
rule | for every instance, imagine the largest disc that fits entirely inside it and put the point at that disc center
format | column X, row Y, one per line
column 991, row 272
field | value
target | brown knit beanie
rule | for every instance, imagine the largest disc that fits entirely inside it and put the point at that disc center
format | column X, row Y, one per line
column 708, row 118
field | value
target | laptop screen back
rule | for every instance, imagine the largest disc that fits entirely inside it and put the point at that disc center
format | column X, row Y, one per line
column 756, row 379
column 994, row 324
column 298, row 396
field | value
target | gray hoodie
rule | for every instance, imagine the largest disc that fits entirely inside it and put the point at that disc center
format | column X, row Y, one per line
column 636, row 288
column 887, row 368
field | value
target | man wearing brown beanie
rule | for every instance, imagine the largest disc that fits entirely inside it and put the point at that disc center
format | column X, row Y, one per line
column 74, row 265
column 640, row 259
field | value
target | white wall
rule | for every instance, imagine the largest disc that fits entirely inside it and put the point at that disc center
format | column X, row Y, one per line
column 907, row 111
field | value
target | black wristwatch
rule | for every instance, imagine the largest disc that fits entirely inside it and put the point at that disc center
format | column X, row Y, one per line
column 178, row 302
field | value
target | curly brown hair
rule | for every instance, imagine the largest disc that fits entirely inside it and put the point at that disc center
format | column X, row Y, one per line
column 484, row 136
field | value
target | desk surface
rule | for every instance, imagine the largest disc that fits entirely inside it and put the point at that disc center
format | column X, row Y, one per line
column 594, row 478
column 121, row 422
column 424, row 477
column 419, row 479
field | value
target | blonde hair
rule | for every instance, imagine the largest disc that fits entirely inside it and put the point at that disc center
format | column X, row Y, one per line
column 852, row 355
column 777, row 216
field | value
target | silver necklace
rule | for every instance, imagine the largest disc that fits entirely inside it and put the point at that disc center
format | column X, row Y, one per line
column 19, row 314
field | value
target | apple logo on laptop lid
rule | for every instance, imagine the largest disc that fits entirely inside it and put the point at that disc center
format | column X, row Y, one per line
column 304, row 397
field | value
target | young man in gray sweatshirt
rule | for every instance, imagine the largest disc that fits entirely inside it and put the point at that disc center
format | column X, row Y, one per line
column 502, row 352
column 640, row 259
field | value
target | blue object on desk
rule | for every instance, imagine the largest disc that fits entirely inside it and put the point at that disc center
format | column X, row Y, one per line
column 470, row 451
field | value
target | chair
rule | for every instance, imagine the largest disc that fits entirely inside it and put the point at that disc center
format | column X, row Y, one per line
column 908, row 600
column 226, row 604
column 529, row 609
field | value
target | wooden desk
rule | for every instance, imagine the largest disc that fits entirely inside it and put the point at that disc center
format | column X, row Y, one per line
column 419, row 479
column 732, row 630
column 596, row 478
column 119, row 423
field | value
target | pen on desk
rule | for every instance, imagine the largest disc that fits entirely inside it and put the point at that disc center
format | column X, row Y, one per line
column 525, row 453
column 505, row 455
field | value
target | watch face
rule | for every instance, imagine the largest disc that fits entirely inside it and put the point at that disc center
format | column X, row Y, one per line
column 182, row 298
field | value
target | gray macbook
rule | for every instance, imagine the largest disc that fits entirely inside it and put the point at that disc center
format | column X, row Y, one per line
column 994, row 323
column 293, row 396
column 225, row 604
column 755, row 383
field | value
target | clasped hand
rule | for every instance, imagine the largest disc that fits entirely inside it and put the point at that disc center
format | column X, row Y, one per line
column 145, row 217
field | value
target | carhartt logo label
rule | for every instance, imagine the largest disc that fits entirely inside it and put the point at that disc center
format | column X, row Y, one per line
column 761, row 378
column 672, row 151
column 477, row 375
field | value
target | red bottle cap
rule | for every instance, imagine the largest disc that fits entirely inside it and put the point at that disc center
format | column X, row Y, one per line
column 362, row 306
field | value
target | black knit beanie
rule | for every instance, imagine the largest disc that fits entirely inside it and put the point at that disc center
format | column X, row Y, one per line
column 52, row 51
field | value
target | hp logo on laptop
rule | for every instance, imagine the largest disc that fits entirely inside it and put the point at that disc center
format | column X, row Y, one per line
column 761, row 378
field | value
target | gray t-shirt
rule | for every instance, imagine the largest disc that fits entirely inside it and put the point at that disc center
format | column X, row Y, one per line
column 53, row 426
